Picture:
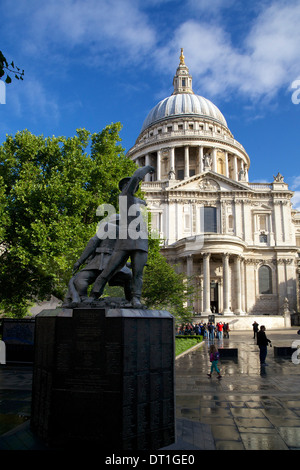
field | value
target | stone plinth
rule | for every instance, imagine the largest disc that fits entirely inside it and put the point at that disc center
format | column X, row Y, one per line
column 104, row 377
column 284, row 351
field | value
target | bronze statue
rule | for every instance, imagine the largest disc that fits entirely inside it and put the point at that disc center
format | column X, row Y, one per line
column 130, row 244
column 96, row 255
column 107, row 257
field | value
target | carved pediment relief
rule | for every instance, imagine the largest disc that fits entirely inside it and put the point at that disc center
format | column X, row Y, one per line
column 207, row 184
column 207, row 181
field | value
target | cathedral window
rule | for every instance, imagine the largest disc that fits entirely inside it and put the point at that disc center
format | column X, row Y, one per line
column 186, row 218
column 265, row 280
column 263, row 238
column 180, row 174
column 210, row 219
column 262, row 222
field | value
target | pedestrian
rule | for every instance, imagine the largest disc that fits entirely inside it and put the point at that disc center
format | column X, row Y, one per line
column 226, row 330
column 211, row 330
column 220, row 330
column 214, row 357
column 262, row 342
column 255, row 329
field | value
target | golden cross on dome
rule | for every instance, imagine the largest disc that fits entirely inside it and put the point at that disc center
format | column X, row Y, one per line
column 181, row 57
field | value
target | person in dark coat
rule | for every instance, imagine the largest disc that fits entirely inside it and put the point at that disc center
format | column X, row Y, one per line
column 255, row 329
column 262, row 342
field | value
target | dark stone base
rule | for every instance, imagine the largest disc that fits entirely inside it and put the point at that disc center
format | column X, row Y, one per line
column 228, row 352
column 283, row 351
column 104, row 376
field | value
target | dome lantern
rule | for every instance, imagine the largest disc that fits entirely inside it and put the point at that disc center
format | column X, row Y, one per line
column 182, row 81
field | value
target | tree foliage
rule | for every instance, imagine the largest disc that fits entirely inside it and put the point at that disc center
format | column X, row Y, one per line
column 7, row 68
column 50, row 189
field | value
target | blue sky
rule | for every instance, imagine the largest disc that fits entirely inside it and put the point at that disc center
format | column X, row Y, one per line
column 92, row 62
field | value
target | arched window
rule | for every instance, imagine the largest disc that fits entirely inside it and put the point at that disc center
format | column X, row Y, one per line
column 265, row 280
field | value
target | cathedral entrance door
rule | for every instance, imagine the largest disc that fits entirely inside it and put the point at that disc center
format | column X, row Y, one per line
column 214, row 298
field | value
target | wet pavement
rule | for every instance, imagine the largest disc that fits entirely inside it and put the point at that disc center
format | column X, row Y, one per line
column 250, row 408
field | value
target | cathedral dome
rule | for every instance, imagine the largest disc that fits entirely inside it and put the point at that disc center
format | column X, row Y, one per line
column 183, row 104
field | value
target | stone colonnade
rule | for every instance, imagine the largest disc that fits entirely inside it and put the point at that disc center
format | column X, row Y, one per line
column 229, row 284
column 207, row 158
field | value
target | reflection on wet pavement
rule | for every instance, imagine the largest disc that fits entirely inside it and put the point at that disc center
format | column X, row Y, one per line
column 251, row 407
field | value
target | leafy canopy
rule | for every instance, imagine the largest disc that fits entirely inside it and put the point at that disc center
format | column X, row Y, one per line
column 50, row 189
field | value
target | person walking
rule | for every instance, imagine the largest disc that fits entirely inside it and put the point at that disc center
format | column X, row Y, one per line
column 262, row 342
column 214, row 357
column 211, row 331
column 255, row 329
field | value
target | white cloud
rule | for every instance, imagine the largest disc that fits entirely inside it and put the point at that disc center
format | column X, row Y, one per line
column 34, row 100
column 261, row 61
column 295, row 183
column 296, row 200
column 86, row 24
column 265, row 60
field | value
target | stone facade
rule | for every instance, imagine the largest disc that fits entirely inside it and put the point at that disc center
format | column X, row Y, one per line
column 239, row 241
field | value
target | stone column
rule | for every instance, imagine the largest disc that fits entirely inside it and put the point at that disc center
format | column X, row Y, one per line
column 235, row 174
column 206, row 283
column 200, row 159
column 147, row 162
column 243, row 285
column 186, row 162
column 172, row 159
column 226, row 165
column 189, row 272
column 214, row 159
column 189, row 265
column 226, row 309
column 158, row 166
column 238, row 285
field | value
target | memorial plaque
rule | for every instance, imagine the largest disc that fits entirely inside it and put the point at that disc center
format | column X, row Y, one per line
column 143, row 418
column 104, row 376
column 143, row 387
column 113, row 353
column 130, row 390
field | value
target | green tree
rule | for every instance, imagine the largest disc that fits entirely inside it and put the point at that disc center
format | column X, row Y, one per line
column 7, row 68
column 50, row 189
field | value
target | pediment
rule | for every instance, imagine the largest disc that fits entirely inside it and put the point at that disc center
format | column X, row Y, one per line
column 208, row 181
